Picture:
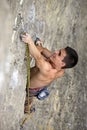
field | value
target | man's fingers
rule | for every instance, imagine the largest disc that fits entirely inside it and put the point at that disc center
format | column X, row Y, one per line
column 23, row 39
column 27, row 34
column 26, row 38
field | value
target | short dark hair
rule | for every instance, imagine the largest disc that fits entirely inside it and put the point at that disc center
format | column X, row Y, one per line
column 71, row 58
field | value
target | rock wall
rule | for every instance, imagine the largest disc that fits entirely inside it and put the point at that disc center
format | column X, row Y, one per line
column 59, row 23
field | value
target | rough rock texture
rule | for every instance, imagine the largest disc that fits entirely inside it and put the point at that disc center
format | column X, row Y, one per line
column 59, row 23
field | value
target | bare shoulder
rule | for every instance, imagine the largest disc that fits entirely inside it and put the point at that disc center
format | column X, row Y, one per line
column 60, row 73
column 43, row 66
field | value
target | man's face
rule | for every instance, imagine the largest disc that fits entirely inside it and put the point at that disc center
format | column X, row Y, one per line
column 57, row 58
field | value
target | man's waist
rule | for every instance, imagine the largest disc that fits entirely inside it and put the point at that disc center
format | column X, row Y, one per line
column 37, row 88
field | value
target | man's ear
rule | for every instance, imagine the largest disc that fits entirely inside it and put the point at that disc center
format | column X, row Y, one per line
column 63, row 64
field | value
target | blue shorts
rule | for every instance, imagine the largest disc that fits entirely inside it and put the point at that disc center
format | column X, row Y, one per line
column 40, row 93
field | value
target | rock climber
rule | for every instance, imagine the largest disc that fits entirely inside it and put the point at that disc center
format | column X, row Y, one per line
column 48, row 65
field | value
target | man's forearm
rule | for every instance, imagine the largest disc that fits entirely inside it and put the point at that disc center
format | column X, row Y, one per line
column 34, row 51
column 44, row 51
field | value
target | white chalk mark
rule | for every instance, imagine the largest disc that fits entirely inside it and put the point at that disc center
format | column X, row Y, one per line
column 14, row 79
column 15, row 21
column 1, row 79
column 13, row 35
column 21, row 2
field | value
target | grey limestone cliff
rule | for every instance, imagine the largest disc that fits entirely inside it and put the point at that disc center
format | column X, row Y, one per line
column 59, row 23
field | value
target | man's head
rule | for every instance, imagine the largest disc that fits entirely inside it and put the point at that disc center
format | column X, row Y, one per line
column 71, row 58
column 64, row 58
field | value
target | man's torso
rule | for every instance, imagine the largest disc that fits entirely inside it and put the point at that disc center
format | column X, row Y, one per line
column 40, row 80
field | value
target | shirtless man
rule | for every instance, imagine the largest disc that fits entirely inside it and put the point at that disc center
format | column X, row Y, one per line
column 49, row 66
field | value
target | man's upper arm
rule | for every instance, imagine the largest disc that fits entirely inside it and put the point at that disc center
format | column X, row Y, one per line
column 42, row 64
column 46, row 52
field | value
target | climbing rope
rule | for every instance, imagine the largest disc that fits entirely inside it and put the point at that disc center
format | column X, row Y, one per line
column 20, row 21
column 28, row 84
column 28, row 74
